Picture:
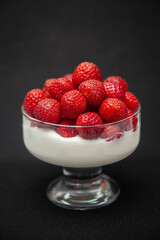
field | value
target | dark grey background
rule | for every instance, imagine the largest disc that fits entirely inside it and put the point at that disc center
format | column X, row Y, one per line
column 44, row 39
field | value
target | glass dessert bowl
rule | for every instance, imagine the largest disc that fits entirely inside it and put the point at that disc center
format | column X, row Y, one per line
column 82, row 185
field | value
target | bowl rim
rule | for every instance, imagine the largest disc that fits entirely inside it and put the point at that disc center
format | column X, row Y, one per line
column 75, row 126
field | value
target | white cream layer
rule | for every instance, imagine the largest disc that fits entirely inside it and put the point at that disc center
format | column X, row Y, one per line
column 46, row 145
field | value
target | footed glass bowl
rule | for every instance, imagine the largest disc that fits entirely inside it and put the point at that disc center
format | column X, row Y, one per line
column 82, row 185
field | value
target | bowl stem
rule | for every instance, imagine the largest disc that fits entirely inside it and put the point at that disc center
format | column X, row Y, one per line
column 82, row 189
column 82, row 172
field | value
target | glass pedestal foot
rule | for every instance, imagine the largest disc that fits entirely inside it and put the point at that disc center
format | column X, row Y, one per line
column 83, row 189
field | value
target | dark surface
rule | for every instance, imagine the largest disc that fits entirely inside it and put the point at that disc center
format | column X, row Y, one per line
column 48, row 39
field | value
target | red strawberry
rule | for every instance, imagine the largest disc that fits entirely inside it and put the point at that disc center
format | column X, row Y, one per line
column 131, row 101
column 58, row 87
column 94, row 92
column 48, row 94
column 48, row 110
column 112, row 109
column 130, row 123
column 73, row 103
column 69, row 76
column 89, row 119
column 119, row 80
column 86, row 71
column 67, row 131
column 114, row 90
column 31, row 99
column 111, row 132
column 48, row 83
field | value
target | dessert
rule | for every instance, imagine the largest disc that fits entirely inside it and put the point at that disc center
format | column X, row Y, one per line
column 82, row 123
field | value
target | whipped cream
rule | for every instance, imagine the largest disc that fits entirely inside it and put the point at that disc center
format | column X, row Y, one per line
column 46, row 145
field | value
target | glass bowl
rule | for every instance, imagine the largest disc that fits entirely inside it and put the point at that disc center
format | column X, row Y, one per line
column 82, row 185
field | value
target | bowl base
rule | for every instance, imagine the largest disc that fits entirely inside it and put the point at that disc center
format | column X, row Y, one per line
column 83, row 193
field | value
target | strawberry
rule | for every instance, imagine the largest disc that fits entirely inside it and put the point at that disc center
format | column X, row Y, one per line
column 86, row 71
column 111, row 132
column 48, row 86
column 48, row 110
column 94, row 92
column 48, row 94
column 69, row 76
column 58, row 87
column 67, row 131
column 131, row 101
column 119, row 80
column 130, row 123
column 31, row 99
column 112, row 109
column 89, row 119
column 114, row 90
column 73, row 103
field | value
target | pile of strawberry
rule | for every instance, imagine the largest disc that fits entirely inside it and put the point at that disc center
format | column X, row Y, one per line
column 82, row 99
